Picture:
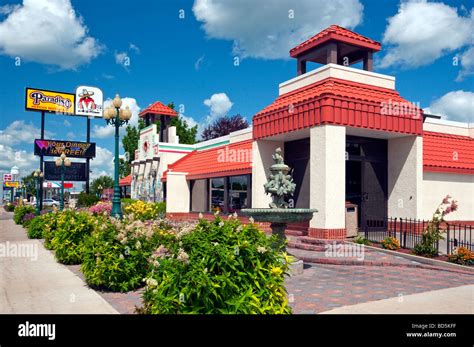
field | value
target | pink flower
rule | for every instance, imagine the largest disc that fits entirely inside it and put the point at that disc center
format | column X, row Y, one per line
column 446, row 199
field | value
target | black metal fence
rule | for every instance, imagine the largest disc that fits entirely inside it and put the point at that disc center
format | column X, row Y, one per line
column 409, row 231
column 458, row 235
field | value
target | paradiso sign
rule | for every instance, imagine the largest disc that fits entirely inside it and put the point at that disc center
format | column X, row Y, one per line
column 49, row 101
column 70, row 148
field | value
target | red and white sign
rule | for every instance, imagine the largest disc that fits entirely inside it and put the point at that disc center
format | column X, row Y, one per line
column 89, row 101
column 7, row 177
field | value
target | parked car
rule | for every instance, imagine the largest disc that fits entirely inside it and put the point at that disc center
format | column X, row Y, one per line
column 50, row 202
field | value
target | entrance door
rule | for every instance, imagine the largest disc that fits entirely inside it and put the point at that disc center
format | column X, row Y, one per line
column 366, row 180
column 374, row 194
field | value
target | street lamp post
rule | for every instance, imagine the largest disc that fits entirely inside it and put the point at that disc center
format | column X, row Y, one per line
column 99, row 191
column 117, row 117
column 38, row 175
column 63, row 162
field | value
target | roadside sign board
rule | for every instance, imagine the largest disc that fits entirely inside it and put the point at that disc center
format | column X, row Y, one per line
column 12, row 184
column 49, row 101
column 89, row 101
column 76, row 172
column 73, row 149
column 7, row 177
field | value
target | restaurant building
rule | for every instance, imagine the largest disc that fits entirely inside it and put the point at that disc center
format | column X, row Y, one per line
column 349, row 136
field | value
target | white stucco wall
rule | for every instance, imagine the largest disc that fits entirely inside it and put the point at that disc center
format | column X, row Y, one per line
column 262, row 160
column 337, row 71
column 436, row 185
column 448, row 127
column 328, row 176
column 405, row 177
column 177, row 192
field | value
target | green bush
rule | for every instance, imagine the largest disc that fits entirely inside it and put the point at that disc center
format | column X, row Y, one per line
column 20, row 212
column 116, row 254
column 86, row 200
column 361, row 240
column 127, row 201
column 36, row 227
column 9, row 207
column 50, row 227
column 68, row 239
column 218, row 267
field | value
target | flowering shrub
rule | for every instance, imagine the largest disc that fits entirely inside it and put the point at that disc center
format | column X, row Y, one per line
column 391, row 243
column 36, row 226
column 432, row 234
column 101, row 208
column 217, row 267
column 9, row 207
column 146, row 210
column 67, row 240
column 115, row 255
column 361, row 240
column 27, row 218
column 20, row 212
column 462, row 255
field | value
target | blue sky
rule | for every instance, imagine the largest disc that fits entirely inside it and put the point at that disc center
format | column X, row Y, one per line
column 188, row 60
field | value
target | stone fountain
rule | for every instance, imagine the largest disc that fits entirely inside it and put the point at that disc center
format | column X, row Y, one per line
column 280, row 186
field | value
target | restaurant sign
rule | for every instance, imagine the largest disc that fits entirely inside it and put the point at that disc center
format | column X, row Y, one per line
column 55, row 148
column 12, row 184
column 75, row 172
column 89, row 101
column 49, row 101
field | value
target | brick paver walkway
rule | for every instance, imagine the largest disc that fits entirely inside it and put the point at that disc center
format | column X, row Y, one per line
column 323, row 287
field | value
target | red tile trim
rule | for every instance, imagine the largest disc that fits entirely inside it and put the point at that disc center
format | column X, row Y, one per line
column 330, row 234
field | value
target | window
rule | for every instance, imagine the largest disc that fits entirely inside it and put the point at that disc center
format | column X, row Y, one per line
column 217, row 194
column 238, row 193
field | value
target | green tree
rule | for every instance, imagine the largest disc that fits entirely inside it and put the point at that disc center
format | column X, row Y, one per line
column 30, row 183
column 186, row 133
column 224, row 126
column 102, row 181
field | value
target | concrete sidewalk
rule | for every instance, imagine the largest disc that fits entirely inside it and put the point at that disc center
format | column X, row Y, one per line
column 35, row 283
column 457, row 300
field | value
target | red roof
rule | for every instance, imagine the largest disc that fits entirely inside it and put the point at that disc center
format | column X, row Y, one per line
column 335, row 32
column 159, row 109
column 230, row 160
column 341, row 102
column 448, row 153
column 126, row 181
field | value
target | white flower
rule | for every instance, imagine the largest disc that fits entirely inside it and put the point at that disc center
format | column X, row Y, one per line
column 200, row 215
column 205, row 270
column 183, row 256
column 121, row 256
column 251, row 220
column 261, row 249
column 151, row 282
column 216, row 213
column 221, row 224
column 239, row 228
column 215, row 243
column 234, row 215
column 138, row 245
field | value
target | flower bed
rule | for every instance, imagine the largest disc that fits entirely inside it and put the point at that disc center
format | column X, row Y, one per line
column 217, row 267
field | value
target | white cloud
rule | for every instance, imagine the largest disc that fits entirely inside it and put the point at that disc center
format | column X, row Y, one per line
column 120, row 58
column 108, row 130
column 199, row 62
column 265, row 29
column 134, row 48
column 457, row 106
column 48, row 32
column 219, row 104
column 103, row 161
column 18, row 132
column 422, row 31
column 27, row 162
column 467, row 63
